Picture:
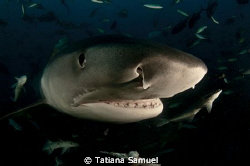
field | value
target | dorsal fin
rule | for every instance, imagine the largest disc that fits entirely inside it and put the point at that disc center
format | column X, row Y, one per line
column 24, row 110
column 60, row 45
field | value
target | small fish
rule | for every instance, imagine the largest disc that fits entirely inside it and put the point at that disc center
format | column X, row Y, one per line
column 242, row 39
column 128, row 35
column 93, row 13
column 201, row 29
column 153, row 6
column 36, row 5
column 33, row 5
column 228, row 92
column 200, row 36
column 241, row 69
column 246, row 72
column 50, row 146
column 60, row 45
column 222, row 68
column 15, row 125
column 19, row 86
column 75, row 135
column 100, row 30
column 168, row 27
column 176, row 1
column 243, row 52
column 105, row 20
column 154, row 34
column 215, row 21
column 105, row 133
column 182, row 13
column 23, row 10
column 97, row 1
column 239, row 77
column 232, row 59
column 225, row 80
column 193, row 42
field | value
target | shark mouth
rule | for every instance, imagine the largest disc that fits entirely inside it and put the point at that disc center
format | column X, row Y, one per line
column 147, row 103
column 144, row 103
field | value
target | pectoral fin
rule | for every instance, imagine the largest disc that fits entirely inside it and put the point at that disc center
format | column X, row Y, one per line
column 64, row 150
column 14, row 85
column 24, row 110
column 209, row 106
column 161, row 122
column 187, row 118
column 24, row 90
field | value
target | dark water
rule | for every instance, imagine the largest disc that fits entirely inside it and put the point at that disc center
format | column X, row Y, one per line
column 219, row 138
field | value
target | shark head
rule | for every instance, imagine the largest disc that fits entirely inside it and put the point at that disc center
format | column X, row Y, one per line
column 118, row 79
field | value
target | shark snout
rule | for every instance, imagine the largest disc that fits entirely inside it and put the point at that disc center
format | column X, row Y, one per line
column 163, row 76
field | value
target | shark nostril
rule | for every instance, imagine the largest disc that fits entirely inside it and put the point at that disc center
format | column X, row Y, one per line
column 139, row 70
column 142, row 78
column 82, row 60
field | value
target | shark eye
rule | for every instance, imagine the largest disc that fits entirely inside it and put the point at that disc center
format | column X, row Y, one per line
column 82, row 60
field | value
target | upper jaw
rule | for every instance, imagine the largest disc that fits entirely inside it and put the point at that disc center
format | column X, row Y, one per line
column 145, row 103
column 93, row 97
column 140, row 103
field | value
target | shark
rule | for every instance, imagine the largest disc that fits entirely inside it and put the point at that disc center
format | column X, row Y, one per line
column 189, row 114
column 50, row 146
column 19, row 86
column 116, row 79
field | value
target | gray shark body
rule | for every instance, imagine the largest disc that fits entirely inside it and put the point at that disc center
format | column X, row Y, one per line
column 188, row 115
column 117, row 79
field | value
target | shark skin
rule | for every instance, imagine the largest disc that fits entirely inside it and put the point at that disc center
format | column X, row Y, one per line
column 117, row 79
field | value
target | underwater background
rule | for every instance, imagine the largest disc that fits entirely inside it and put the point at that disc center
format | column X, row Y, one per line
column 29, row 31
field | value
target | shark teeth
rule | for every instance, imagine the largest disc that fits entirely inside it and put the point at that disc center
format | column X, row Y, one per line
column 143, row 103
column 147, row 104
